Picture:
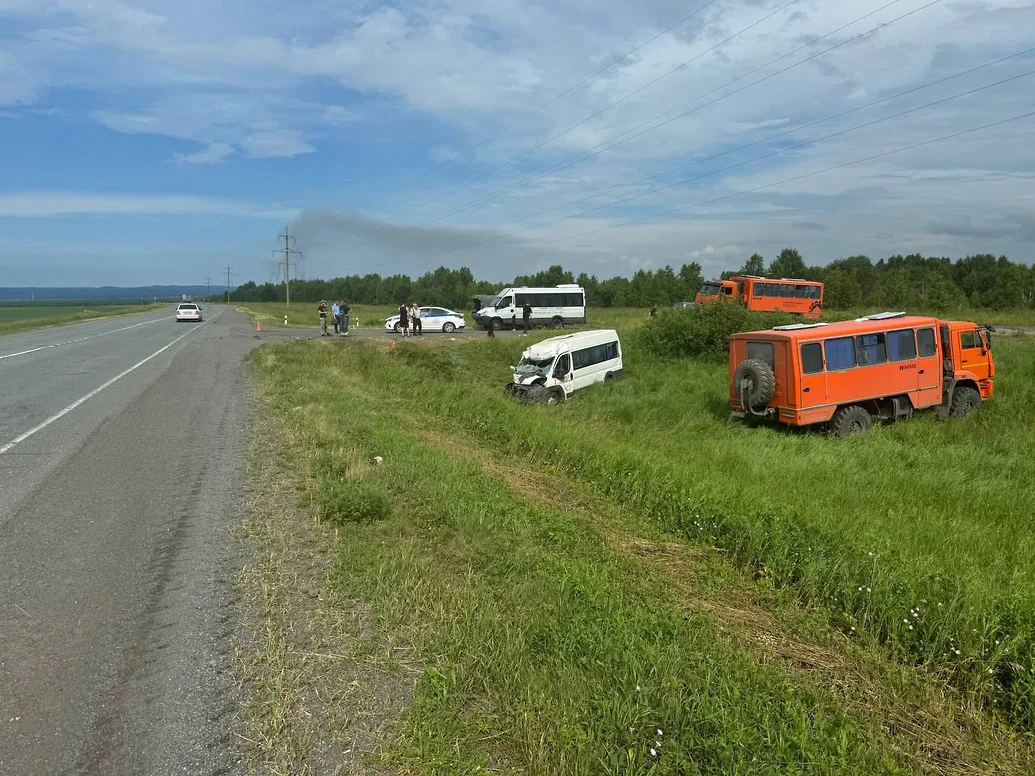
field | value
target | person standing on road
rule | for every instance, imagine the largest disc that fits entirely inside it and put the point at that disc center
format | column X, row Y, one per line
column 323, row 318
column 415, row 322
column 336, row 315
column 345, row 310
column 526, row 316
column 404, row 319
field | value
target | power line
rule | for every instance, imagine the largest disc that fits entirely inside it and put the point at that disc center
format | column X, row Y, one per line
column 798, row 146
column 549, row 102
column 606, row 108
column 229, row 272
column 288, row 252
column 602, row 147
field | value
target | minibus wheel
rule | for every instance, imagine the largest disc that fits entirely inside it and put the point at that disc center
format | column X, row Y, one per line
column 555, row 396
column 849, row 420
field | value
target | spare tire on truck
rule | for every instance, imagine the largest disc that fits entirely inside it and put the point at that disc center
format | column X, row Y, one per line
column 760, row 382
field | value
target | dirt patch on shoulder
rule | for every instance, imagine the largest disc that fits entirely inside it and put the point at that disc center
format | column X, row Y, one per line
column 323, row 692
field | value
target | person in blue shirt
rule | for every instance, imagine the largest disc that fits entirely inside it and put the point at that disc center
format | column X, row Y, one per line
column 336, row 315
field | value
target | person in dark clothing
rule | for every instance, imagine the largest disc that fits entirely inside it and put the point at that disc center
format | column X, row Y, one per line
column 345, row 310
column 653, row 311
column 323, row 319
column 404, row 319
column 526, row 315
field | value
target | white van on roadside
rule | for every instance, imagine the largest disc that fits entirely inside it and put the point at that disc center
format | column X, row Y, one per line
column 554, row 369
column 555, row 307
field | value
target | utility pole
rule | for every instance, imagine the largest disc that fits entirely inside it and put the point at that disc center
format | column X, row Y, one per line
column 208, row 287
column 229, row 272
column 288, row 252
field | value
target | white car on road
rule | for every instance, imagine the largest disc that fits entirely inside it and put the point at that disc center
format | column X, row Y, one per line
column 432, row 319
column 188, row 311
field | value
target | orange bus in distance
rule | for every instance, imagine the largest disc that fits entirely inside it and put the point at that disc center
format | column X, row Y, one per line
column 845, row 374
column 788, row 295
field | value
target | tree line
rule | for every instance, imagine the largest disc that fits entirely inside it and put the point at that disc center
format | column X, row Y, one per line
column 901, row 282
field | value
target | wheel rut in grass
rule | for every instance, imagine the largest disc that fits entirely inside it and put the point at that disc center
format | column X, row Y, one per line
column 928, row 723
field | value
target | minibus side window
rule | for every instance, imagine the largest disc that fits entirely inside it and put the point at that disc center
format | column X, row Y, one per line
column 840, row 353
column 901, row 345
column 812, row 358
column 870, row 349
column 926, row 343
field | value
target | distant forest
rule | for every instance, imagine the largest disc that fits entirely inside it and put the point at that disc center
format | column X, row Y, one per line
column 899, row 282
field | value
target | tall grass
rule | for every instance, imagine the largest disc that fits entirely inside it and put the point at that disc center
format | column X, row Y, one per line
column 544, row 651
column 920, row 536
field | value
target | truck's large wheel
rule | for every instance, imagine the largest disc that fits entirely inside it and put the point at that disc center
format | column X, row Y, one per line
column 964, row 401
column 761, row 382
column 849, row 420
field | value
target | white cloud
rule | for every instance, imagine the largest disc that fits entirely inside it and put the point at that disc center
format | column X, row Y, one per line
column 41, row 204
column 276, row 143
column 710, row 251
column 213, row 154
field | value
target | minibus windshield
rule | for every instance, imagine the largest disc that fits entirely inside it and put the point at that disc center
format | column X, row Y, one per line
column 530, row 365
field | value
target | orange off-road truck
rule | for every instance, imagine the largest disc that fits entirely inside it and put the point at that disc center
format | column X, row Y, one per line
column 845, row 374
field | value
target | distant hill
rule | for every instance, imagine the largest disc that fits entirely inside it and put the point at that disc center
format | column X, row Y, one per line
column 104, row 293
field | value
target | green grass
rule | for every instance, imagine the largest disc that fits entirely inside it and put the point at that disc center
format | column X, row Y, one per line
column 14, row 318
column 536, row 632
column 304, row 315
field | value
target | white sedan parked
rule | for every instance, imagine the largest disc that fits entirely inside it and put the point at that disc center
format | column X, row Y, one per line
column 432, row 319
column 188, row 311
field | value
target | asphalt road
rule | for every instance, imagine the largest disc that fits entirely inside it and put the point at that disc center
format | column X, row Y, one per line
column 120, row 484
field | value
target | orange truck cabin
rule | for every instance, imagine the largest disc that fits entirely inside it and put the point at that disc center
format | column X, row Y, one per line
column 845, row 374
column 789, row 295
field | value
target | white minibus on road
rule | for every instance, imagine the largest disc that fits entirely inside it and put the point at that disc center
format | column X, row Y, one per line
column 554, row 369
column 554, row 307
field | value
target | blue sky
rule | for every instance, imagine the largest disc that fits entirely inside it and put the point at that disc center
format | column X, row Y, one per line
column 150, row 142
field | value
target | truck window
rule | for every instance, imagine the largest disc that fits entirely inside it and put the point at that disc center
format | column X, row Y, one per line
column 727, row 291
column 840, row 353
column 902, row 345
column 812, row 358
column 969, row 340
column 870, row 349
column 763, row 351
column 926, row 344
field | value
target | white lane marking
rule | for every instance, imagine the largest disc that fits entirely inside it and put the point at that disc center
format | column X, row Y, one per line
column 53, row 418
column 81, row 339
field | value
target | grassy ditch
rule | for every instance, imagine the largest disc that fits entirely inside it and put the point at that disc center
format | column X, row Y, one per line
column 487, row 540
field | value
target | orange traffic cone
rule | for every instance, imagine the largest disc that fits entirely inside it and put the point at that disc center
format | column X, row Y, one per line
column 258, row 326
column 393, row 344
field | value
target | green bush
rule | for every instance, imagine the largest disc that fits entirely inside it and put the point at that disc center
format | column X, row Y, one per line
column 703, row 331
column 346, row 501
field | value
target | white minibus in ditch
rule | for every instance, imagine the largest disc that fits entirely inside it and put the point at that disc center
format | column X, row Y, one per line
column 554, row 369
